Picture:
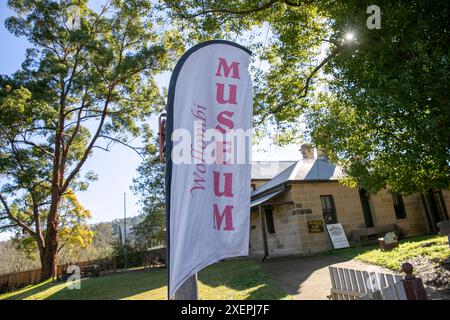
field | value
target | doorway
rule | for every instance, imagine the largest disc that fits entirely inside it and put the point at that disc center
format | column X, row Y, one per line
column 435, row 208
column 365, row 204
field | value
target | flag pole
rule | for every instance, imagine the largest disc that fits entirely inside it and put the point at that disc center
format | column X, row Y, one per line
column 189, row 289
column 125, row 229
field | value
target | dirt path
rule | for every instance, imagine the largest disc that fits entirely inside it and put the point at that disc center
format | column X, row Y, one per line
column 308, row 278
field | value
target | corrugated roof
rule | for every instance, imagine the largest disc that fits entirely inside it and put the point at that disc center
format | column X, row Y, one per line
column 280, row 178
column 268, row 196
column 303, row 170
column 265, row 170
column 317, row 169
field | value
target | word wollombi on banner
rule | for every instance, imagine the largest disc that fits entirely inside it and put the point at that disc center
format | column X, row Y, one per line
column 208, row 153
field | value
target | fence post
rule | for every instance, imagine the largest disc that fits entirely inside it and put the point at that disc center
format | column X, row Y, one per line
column 414, row 288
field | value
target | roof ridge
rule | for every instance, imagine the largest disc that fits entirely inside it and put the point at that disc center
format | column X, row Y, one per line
column 270, row 180
column 275, row 160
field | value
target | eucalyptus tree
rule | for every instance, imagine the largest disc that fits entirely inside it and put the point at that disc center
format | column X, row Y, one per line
column 386, row 115
column 86, row 84
column 372, row 89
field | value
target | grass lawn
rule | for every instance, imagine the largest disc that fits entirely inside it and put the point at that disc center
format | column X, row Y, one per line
column 432, row 247
column 238, row 279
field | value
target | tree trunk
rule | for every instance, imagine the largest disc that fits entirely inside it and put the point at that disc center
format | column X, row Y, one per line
column 48, row 260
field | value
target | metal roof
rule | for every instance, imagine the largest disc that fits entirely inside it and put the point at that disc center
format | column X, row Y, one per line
column 266, row 197
column 303, row 170
column 280, row 178
column 265, row 170
column 317, row 169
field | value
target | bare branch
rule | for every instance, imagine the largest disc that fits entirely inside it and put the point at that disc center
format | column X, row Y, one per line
column 135, row 149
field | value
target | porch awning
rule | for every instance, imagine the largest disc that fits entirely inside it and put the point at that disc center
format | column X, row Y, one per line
column 266, row 197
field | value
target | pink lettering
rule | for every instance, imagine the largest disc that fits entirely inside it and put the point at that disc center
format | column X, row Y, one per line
column 225, row 118
column 220, row 93
column 228, row 188
column 218, row 218
column 222, row 150
column 226, row 69
column 199, row 183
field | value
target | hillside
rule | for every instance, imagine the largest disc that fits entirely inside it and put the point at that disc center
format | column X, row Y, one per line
column 106, row 234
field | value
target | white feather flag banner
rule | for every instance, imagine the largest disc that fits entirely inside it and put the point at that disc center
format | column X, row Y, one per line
column 208, row 154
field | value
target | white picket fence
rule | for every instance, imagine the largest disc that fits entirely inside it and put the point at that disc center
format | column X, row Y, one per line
column 349, row 284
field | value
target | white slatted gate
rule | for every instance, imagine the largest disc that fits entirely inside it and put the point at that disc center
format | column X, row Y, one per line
column 349, row 284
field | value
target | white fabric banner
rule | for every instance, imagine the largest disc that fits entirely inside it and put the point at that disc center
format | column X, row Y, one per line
column 210, row 96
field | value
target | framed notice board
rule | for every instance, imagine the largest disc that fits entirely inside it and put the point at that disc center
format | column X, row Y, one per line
column 337, row 236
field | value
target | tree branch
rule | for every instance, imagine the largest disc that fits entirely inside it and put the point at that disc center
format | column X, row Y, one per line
column 91, row 144
column 34, row 145
column 262, row 7
column 7, row 226
column 17, row 221
column 135, row 149
column 304, row 90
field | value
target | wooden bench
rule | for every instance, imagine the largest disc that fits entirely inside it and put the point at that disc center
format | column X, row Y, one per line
column 85, row 270
column 92, row 270
column 361, row 235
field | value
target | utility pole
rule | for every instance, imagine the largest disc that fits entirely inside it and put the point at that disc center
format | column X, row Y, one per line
column 125, row 229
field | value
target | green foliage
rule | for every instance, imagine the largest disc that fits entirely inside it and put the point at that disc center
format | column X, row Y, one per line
column 433, row 248
column 21, row 252
column 83, row 87
column 286, row 38
column 75, row 234
column 149, row 185
column 386, row 115
column 13, row 260
column 378, row 103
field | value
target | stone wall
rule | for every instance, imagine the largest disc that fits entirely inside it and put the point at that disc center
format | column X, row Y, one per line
column 383, row 213
column 446, row 194
column 291, row 221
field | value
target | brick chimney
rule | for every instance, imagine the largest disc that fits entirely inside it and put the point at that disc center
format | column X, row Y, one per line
column 307, row 151
column 321, row 154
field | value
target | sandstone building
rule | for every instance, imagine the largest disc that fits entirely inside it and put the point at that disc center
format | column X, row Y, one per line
column 295, row 199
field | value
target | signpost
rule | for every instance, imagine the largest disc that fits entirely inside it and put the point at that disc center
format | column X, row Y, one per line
column 207, row 153
column 337, row 236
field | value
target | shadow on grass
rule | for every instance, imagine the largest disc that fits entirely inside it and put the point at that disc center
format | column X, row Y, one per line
column 245, row 276
column 29, row 291
column 107, row 287
column 115, row 286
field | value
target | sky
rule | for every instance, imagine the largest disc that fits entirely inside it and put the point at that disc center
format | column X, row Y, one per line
column 115, row 169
